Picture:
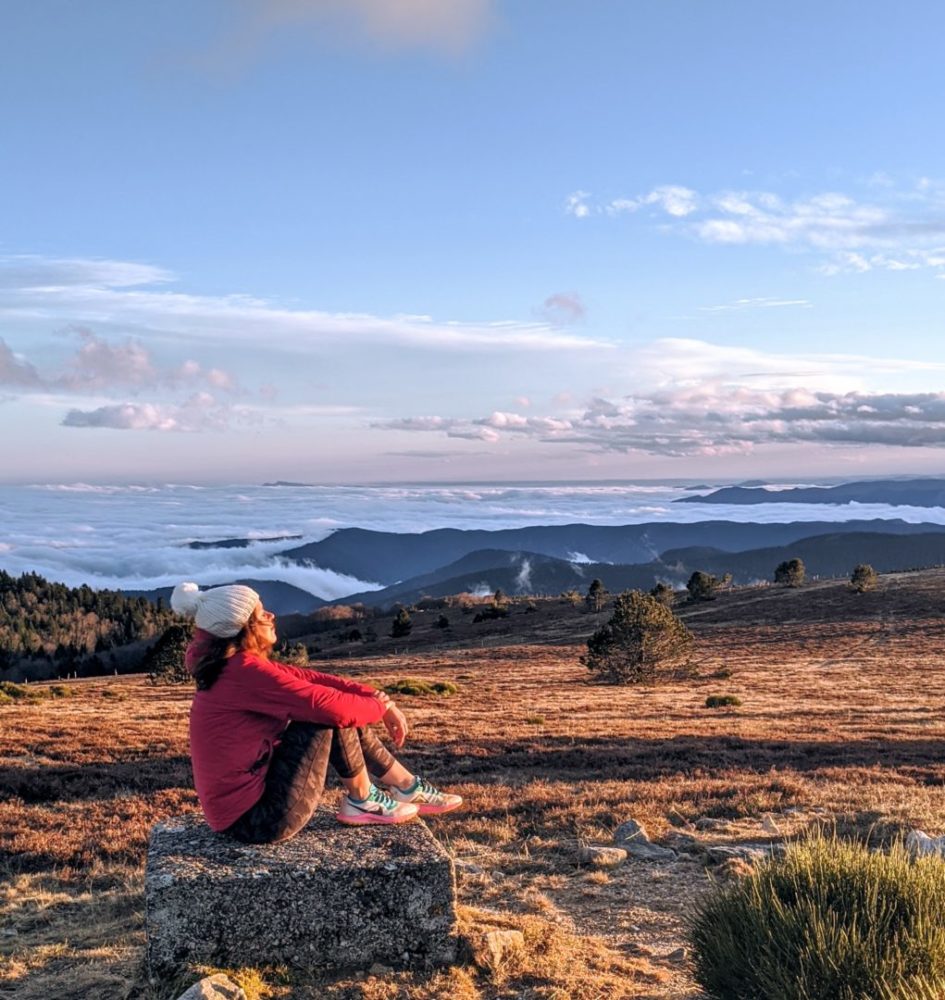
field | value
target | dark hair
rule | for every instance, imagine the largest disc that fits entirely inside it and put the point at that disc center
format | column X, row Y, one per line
column 218, row 651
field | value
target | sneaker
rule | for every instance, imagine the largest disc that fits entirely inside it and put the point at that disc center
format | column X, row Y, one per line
column 378, row 807
column 429, row 801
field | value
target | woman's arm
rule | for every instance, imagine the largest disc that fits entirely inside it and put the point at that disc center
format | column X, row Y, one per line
column 275, row 689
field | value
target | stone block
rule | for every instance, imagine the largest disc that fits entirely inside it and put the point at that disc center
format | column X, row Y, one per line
column 332, row 897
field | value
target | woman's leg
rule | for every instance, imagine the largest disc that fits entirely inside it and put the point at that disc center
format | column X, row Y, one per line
column 401, row 784
column 294, row 785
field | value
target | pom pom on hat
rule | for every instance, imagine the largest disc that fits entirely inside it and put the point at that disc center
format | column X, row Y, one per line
column 185, row 598
column 221, row 611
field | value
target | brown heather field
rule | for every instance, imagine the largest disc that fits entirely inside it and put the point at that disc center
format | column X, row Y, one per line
column 842, row 721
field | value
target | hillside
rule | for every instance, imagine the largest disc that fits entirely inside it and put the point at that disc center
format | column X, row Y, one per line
column 840, row 724
column 388, row 557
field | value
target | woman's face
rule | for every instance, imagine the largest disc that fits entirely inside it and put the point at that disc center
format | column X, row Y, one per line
column 264, row 623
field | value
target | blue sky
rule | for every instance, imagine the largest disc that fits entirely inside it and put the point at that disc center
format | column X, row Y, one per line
column 415, row 240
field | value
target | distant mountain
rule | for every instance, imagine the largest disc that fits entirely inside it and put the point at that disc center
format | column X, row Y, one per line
column 280, row 598
column 514, row 573
column 387, row 557
column 829, row 555
column 898, row 492
column 240, row 543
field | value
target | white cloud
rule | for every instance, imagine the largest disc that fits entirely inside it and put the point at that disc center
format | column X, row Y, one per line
column 14, row 370
column 99, row 365
column 199, row 413
column 30, row 271
column 100, row 299
column 679, row 360
column 897, row 229
column 740, row 305
column 576, row 204
column 715, row 418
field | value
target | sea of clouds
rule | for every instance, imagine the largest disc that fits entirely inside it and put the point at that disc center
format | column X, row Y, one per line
column 136, row 537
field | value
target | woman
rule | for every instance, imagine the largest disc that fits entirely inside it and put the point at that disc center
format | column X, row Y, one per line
column 262, row 733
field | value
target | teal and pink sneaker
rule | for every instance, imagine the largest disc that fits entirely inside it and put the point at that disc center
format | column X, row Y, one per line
column 378, row 807
column 429, row 801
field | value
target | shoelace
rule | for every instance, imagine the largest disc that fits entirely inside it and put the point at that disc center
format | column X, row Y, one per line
column 424, row 786
column 382, row 798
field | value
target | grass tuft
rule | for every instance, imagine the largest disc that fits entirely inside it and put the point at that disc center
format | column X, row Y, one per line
column 11, row 692
column 416, row 686
column 723, row 701
column 830, row 920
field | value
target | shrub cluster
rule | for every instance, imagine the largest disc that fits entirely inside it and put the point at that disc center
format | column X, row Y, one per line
column 827, row 921
column 11, row 693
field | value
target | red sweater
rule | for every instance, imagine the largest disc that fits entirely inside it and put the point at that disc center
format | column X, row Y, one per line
column 237, row 723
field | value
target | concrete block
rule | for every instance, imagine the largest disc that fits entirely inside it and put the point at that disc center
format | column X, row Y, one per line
column 332, row 897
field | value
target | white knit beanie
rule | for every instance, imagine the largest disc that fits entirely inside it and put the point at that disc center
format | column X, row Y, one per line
column 221, row 611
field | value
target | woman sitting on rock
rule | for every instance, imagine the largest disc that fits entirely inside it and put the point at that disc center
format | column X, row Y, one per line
column 262, row 733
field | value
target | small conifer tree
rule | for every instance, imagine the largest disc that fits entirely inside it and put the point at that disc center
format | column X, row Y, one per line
column 664, row 593
column 702, row 586
column 642, row 636
column 401, row 625
column 790, row 573
column 863, row 578
column 164, row 661
column 596, row 595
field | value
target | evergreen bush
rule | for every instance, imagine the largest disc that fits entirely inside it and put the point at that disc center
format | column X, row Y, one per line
column 702, row 586
column 863, row 578
column 829, row 920
column 790, row 573
column 401, row 625
column 164, row 661
column 642, row 636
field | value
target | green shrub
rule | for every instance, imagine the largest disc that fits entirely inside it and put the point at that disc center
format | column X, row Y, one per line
column 702, row 586
column 23, row 692
column 491, row 612
column 722, row 701
column 790, row 573
column 5, row 699
column 829, row 920
column 401, row 626
column 416, row 686
column 164, row 661
column 863, row 578
column 641, row 637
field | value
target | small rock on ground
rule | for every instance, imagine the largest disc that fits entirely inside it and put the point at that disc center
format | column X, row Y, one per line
column 495, row 946
column 601, row 857
column 919, row 843
column 215, row 987
column 631, row 830
column 679, row 955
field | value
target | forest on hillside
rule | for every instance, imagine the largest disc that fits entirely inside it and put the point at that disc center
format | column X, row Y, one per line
column 40, row 620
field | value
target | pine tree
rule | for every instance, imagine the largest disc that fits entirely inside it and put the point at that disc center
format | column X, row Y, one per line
column 642, row 636
column 863, row 578
column 401, row 625
column 790, row 573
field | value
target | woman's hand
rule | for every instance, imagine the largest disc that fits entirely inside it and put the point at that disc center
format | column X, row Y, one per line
column 396, row 724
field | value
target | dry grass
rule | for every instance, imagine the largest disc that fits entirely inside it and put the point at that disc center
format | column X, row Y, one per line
column 841, row 716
